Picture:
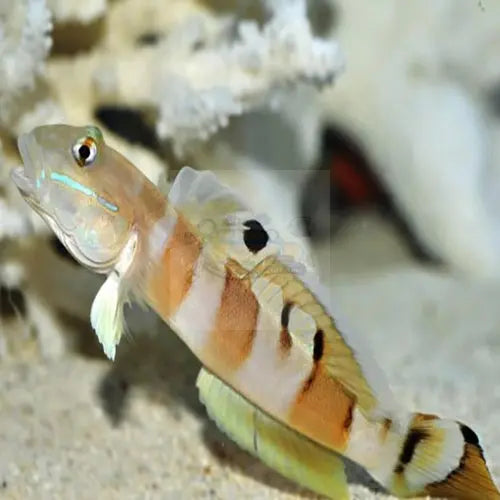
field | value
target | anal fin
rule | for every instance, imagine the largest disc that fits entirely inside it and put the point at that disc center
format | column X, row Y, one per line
column 291, row 454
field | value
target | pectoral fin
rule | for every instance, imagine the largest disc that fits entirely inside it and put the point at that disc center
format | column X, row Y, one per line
column 106, row 315
column 289, row 453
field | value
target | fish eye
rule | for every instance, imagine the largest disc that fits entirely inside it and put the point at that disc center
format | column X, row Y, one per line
column 85, row 151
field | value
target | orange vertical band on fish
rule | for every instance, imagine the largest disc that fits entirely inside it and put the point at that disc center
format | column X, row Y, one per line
column 172, row 281
column 234, row 328
column 279, row 375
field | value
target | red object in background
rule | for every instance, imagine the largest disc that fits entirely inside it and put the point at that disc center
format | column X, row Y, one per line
column 352, row 180
column 354, row 184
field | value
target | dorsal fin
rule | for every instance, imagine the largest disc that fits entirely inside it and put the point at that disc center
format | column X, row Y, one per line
column 226, row 224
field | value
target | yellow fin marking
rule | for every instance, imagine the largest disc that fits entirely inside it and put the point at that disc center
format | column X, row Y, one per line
column 291, row 454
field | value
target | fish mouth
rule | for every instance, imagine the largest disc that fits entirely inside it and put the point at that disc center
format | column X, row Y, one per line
column 24, row 175
column 23, row 182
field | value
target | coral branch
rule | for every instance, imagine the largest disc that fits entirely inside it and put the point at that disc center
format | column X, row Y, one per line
column 198, row 86
column 24, row 44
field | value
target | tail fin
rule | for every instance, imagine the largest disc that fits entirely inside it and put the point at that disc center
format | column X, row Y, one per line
column 442, row 458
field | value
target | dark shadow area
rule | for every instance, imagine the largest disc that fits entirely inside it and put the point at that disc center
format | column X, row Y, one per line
column 137, row 126
column 12, row 303
column 113, row 394
column 130, row 124
column 60, row 250
column 357, row 475
column 232, row 456
column 159, row 364
column 82, row 338
column 244, row 9
column 148, row 38
column 72, row 37
column 62, row 285
column 323, row 16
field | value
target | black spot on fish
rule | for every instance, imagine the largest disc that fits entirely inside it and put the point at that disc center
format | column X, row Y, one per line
column 12, row 302
column 285, row 314
column 285, row 337
column 255, row 236
column 319, row 345
column 469, row 435
column 415, row 436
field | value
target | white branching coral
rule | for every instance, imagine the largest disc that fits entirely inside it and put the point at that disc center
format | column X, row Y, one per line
column 24, row 44
column 216, row 84
column 198, row 82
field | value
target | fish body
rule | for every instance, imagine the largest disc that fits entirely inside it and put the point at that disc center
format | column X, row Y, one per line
column 280, row 376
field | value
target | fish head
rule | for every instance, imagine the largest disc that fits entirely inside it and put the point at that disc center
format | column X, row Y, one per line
column 81, row 187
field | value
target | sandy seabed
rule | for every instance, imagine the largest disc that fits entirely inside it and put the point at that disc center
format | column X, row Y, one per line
column 82, row 428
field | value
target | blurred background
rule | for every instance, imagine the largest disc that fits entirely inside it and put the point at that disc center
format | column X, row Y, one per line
column 369, row 130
